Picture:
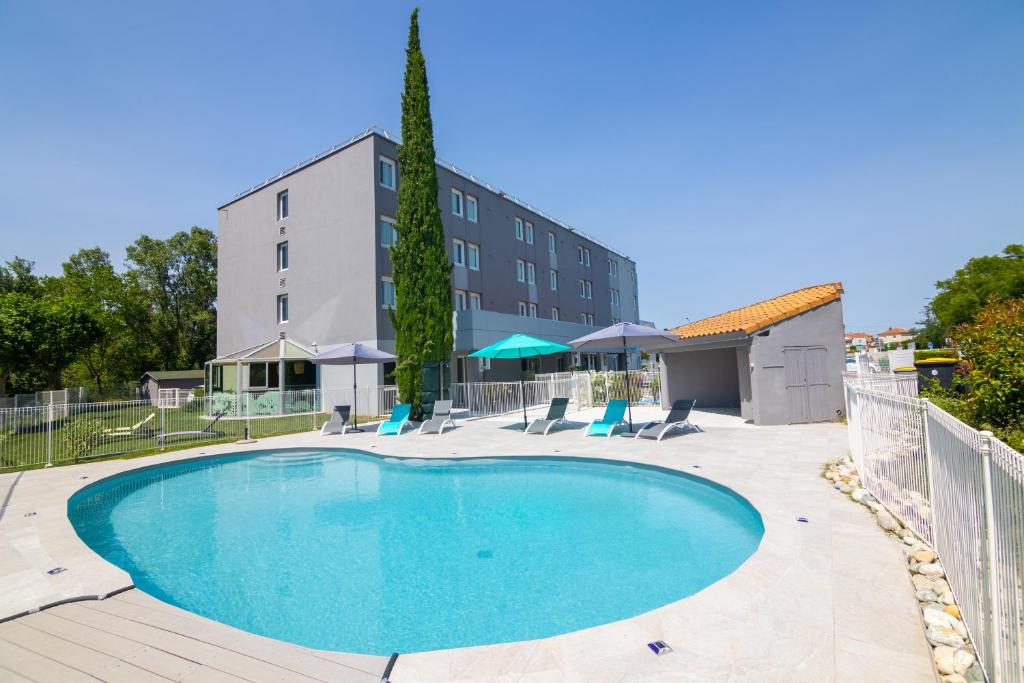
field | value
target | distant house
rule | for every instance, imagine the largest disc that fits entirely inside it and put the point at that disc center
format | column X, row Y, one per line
column 778, row 361
column 895, row 335
column 185, row 381
column 861, row 340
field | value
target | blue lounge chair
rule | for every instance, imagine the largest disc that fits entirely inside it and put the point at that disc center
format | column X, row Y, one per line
column 613, row 415
column 399, row 420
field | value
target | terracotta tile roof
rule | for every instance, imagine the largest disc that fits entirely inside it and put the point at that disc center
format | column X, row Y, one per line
column 894, row 330
column 750, row 319
column 858, row 335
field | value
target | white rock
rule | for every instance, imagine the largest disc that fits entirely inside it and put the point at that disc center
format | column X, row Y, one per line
column 923, row 583
column 954, row 678
column 944, row 659
column 933, row 570
column 887, row 521
column 934, row 617
column 943, row 635
column 909, row 540
column 941, row 586
column 874, row 506
column 975, row 675
column 962, row 661
column 843, row 487
column 959, row 627
column 947, row 598
column 926, row 596
column 861, row 496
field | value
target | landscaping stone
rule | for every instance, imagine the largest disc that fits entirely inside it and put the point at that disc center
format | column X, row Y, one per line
column 934, row 617
column 954, row 678
column 861, row 496
column 975, row 674
column 943, row 635
column 843, row 487
column 941, row 586
column 931, row 570
column 926, row 596
column 947, row 599
column 887, row 521
column 952, row 610
column 923, row 583
column 944, row 659
column 924, row 556
column 962, row 661
column 909, row 540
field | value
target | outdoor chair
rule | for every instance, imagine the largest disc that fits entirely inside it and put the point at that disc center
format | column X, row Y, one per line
column 137, row 429
column 338, row 424
column 205, row 431
column 678, row 418
column 613, row 417
column 556, row 415
column 399, row 420
column 440, row 420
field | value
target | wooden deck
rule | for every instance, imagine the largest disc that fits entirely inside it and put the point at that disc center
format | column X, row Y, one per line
column 135, row 638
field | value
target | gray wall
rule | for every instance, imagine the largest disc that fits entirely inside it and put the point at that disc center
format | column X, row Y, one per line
column 708, row 376
column 822, row 326
column 331, row 285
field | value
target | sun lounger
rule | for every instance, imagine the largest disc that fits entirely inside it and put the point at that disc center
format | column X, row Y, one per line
column 613, row 415
column 205, row 431
column 338, row 424
column 678, row 418
column 556, row 415
column 137, row 429
column 440, row 420
column 399, row 420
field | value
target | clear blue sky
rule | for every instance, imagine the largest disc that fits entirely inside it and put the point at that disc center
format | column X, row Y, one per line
column 735, row 150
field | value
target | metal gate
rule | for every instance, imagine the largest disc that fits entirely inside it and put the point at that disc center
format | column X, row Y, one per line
column 806, row 385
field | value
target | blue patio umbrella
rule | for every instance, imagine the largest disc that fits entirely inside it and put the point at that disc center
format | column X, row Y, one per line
column 353, row 354
column 520, row 346
column 624, row 335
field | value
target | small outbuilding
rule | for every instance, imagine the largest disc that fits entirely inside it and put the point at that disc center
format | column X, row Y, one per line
column 183, row 381
column 778, row 361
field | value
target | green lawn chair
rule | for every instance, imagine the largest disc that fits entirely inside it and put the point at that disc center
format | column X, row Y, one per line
column 399, row 420
column 613, row 415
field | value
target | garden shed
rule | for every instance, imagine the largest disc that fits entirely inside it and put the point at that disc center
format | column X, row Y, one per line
column 182, row 381
column 778, row 361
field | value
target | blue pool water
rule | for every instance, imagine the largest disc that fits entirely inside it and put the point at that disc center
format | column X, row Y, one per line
column 347, row 551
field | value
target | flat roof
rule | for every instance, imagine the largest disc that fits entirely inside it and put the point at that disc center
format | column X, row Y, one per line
column 447, row 165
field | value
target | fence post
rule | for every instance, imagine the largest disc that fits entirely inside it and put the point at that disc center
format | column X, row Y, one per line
column 49, row 435
column 163, row 425
column 928, row 466
column 992, row 581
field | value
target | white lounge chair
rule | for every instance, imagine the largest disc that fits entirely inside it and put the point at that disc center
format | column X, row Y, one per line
column 338, row 424
column 137, row 429
column 678, row 418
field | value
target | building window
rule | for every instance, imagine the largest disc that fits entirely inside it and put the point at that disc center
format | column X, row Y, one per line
column 632, row 275
column 471, row 208
column 553, row 280
column 474, row 301
column 282, row 308
column 456, row 202
column 614, row 294
column 583, row 318
column 264, row 375
column 531, row 272
column 282, row 205
column 613, row 268
column 522, row 308
column 460, row 300
column 533, row 310
column 584, row 255
column 388, row 231
column 554, row 313
column 387, row 293
column 282, row 256
column 636, row 305
column 459, row 252
column 586, row 289
column 529, row 232
column 521, row 270
column 519, row 229
column 587, row 318
column 473, row 256
column 386, row 173
column 551, row 242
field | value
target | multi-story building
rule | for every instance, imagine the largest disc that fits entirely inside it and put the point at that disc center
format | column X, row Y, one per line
column 303, row 257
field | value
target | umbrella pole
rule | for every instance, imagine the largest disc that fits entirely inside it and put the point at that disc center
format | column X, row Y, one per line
column 522, row 395
column 355, row 401
column 629, row 392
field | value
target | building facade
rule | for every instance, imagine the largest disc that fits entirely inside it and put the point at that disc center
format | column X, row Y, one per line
column 304, row 256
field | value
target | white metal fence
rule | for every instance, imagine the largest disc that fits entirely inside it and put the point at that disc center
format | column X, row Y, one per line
column 482, row 399
column 962, row 491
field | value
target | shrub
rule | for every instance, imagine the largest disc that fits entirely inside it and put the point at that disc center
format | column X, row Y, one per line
column 925, row 354
column 81, row 435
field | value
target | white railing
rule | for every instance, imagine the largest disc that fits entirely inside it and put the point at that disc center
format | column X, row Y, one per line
column 962, row 491
column 904, row 385
column 483, row 399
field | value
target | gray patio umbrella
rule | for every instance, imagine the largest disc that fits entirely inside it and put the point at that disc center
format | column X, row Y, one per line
column 624, row 335
column 353, row 354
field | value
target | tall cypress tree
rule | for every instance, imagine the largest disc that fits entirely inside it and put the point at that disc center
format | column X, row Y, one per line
column 423, row 318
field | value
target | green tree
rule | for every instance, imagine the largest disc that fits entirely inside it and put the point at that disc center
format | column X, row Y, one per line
column 18, row 320
column 64, row 328
column 178, row 279
column 423, row 317
column 981, row 281
column 16, row 276
column 117, row 303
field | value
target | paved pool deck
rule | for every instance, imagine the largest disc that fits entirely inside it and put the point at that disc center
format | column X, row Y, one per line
column 829, row 600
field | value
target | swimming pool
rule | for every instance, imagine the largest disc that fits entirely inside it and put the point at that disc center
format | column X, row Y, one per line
column 347, row 551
